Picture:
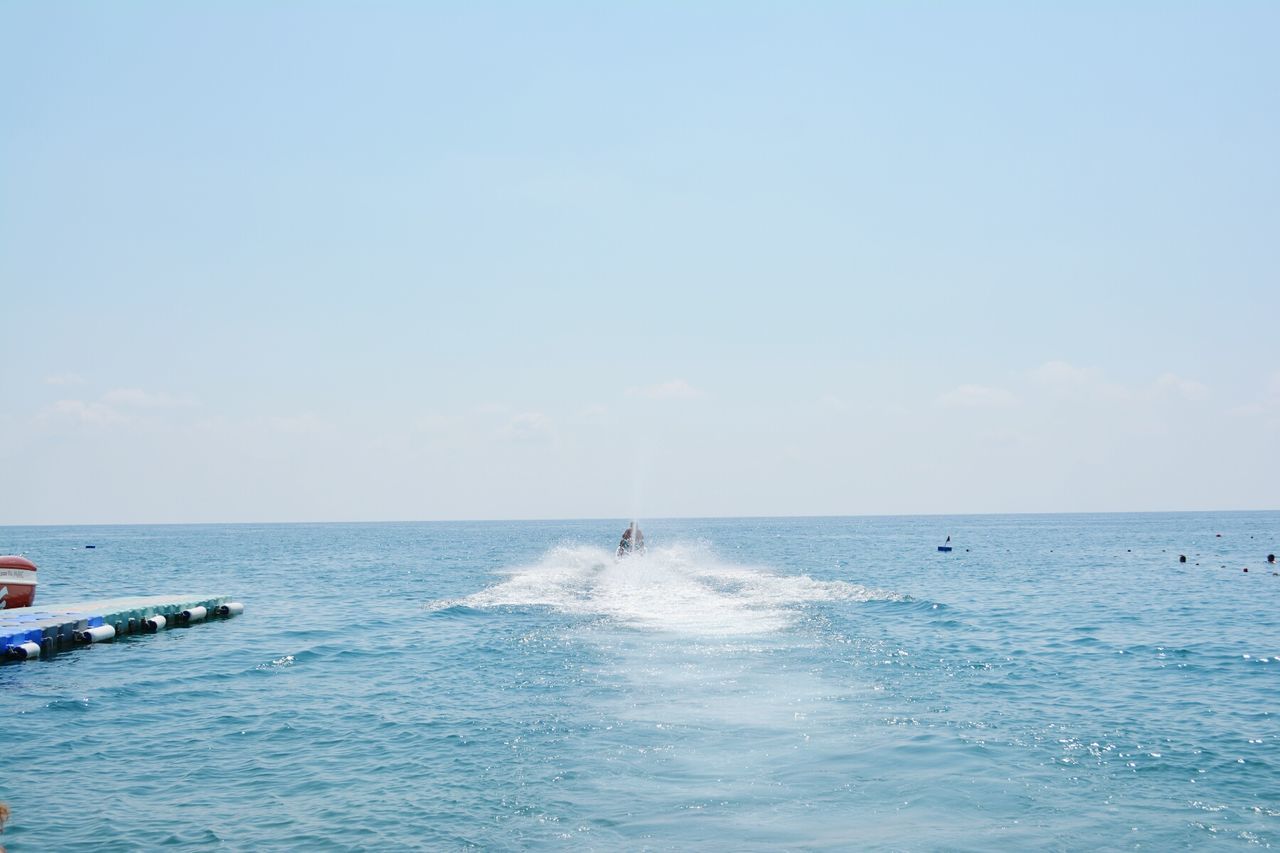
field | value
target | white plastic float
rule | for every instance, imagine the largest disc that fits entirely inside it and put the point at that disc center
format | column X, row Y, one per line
column 96, row 634
column 28, row 633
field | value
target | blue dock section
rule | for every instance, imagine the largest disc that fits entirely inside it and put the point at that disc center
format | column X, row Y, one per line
column 26, row 633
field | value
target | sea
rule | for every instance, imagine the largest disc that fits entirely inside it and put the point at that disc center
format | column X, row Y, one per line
column 1055, row 682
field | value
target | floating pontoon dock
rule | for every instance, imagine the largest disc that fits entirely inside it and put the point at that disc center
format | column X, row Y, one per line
column 28, row 632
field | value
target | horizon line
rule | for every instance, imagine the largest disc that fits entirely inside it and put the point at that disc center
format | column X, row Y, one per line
column 624, row 518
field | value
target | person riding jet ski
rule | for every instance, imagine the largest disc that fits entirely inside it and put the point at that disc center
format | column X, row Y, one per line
column 632, row 541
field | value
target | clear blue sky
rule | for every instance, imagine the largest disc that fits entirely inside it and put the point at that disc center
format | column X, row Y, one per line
column 318, row 261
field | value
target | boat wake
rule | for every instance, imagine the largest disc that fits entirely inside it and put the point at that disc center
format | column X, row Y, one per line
column 681, row 588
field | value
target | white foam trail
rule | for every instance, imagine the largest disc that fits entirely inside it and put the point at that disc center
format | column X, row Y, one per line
column 681, row 588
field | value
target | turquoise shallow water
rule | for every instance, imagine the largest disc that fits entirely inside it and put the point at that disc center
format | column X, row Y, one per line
column 1056, row 681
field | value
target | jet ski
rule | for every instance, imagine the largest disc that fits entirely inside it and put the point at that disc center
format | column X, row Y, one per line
column 632, row 541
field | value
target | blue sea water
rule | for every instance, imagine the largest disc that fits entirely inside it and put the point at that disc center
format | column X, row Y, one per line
column 827, row 683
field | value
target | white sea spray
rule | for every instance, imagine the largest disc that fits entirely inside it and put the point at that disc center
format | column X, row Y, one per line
column 683, row 588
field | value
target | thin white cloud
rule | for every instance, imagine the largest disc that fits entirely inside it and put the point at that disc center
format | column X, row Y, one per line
column 674, row 389
column 137, row 398
column 977, row 397
column 1003, row 438
column 834, row 403
column 300, row 424
column 1172, row 384
column 1066, row 379
column 527, row 426
column 84, row 412
column 122, row 405
column 868, row 406
column 433, row 422
column 1267, row 403
column 1064, row 374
